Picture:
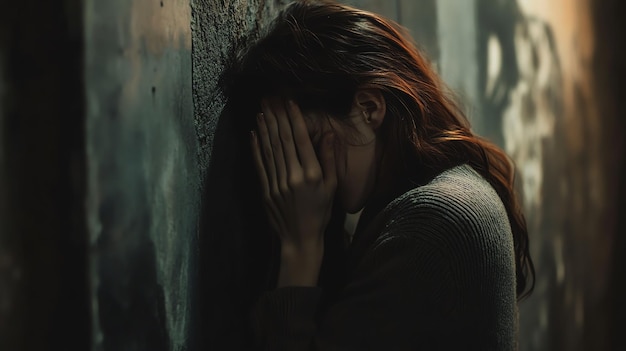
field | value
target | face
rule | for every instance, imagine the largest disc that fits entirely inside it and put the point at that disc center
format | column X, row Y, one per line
column 355, row 156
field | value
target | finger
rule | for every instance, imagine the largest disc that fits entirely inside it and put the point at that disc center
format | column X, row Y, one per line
column 258, row 163
column 289, row 147
column 273, row 217
column 327, row 158
column 271, row 111
column 308, row 159
column 268, row 154
column 270, row 209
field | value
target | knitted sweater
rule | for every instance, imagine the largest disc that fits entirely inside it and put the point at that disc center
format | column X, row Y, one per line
column 440, row 275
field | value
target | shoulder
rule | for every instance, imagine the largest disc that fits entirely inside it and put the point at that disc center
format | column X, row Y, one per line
column 458, row 200
column 458, row 214
column 456, row 224
column 451, row 241
column 458, row 187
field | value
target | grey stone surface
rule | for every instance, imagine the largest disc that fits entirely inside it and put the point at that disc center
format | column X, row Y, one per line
column 153, row 105
column 143, row 176
column 228, row 249
column 217, row 27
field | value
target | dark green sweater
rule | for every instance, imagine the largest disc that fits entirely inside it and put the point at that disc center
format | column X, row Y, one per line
column 438, row 274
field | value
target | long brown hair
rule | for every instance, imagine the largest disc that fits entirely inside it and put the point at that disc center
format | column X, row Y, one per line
column 321, row 52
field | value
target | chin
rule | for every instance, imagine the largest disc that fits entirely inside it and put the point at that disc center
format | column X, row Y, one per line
column 353, row 211
column 351, row 207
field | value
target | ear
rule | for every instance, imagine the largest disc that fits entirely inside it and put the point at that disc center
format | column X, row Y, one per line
column 369, row 103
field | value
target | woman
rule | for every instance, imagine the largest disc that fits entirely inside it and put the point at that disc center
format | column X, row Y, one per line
column 352, row 116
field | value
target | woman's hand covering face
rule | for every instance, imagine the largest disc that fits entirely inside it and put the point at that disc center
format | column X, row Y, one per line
column 298, row 188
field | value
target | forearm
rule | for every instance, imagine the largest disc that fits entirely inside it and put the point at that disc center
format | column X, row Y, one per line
column 284, row 319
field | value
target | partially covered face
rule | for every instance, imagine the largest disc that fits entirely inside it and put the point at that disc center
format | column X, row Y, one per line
column 355, row 156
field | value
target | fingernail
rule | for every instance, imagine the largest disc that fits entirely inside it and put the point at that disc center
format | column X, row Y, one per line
column 260, row 117
column 253, row 134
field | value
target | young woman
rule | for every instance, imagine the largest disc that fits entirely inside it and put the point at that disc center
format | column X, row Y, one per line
column 351, row 116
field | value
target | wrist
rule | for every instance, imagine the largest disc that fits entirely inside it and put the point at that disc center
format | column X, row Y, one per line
column 310, row 249
column 300, row 264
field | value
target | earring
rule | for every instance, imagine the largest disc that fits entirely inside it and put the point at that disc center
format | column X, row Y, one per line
column 368, row 118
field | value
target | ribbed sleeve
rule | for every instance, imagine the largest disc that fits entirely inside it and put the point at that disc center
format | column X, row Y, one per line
column 438, row 274
column 285, row 318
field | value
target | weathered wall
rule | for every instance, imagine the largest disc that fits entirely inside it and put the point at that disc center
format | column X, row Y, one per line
column 143, row 175
column 153, row 108
column 229, row 247
column 218, row 28
column 539, row 78
column 102, row 164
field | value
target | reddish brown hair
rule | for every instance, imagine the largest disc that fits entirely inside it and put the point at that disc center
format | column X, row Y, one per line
column 321, row 52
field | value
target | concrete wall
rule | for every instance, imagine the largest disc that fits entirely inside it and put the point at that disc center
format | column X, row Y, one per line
column 107, row 120
column 231, row 253
column 153, row 105
column 218, row 29
column 142, row 169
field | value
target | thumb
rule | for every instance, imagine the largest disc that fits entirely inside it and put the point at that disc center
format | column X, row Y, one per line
column 327, row 158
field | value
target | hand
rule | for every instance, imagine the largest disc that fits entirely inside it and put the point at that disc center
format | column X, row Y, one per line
column 298, row 189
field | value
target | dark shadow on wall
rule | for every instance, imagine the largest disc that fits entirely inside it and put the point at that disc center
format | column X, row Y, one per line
column 44, row 300
column 234, row 243
column 610, row 69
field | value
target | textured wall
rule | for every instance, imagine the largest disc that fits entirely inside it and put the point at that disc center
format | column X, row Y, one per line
column 143, row 176
column 228, row 244
column 102, row 164
column 218, row 28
